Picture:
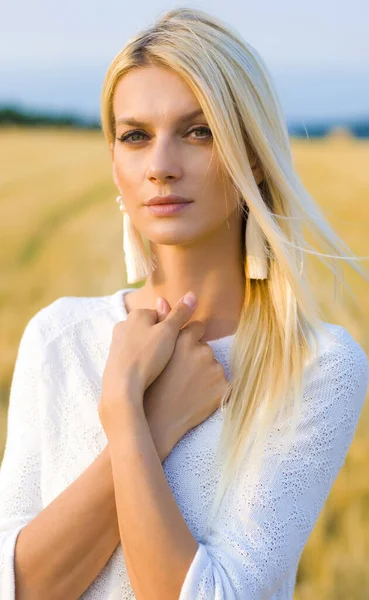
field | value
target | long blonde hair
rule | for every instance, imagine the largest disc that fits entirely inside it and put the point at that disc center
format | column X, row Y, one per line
column 280, row 320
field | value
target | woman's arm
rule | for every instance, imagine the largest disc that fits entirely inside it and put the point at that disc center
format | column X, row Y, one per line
column 63, row 549
column 158, row 545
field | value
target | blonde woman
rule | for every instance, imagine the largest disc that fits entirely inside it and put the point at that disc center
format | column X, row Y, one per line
column 179, row 440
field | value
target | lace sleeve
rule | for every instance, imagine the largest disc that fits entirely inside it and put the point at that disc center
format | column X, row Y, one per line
column 20, row 469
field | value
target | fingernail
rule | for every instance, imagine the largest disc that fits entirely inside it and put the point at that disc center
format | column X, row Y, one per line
column 160, row 305
column 190, row 299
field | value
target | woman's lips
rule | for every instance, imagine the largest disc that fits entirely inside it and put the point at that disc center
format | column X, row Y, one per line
column 167, row 209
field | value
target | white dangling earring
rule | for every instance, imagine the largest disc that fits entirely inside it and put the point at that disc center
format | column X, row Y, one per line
column 256, row 255
column 138, row 264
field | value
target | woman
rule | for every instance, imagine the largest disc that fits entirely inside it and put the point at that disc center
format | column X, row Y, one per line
column 185, row 448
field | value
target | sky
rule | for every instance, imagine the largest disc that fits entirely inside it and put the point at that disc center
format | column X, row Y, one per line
column 53, row 56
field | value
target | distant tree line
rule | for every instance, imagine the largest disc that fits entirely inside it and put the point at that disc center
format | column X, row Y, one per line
column 359, row 128
column 15, row 116
column 10, row 115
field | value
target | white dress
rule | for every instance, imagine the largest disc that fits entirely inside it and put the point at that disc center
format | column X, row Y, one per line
column 255, row 543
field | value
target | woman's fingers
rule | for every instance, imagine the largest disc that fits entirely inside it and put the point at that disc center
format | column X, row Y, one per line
column 182, row 311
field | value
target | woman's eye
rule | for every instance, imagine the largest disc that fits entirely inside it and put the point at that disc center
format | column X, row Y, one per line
column 128, row 137
column 203, row 129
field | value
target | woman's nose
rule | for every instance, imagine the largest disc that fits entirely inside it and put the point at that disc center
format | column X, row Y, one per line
column 164, row 161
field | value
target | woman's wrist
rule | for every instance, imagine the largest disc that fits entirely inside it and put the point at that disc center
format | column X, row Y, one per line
column 165, row 435
column 162, row 433
column 133, row 390
column 120, row 413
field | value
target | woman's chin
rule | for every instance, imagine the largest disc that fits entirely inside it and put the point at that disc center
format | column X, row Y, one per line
column 171, row 235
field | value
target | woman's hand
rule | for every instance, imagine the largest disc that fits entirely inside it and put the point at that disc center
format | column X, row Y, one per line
column 140, row 349
column 188, row 390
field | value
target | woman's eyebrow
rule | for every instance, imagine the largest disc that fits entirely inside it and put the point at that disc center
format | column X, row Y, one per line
column 136, row 123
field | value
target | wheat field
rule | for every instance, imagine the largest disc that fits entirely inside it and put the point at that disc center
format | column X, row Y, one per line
column 61, row 235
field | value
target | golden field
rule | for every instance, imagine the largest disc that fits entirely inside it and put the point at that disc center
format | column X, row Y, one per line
column 61, row 235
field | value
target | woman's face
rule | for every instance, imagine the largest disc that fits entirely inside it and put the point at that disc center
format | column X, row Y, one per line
column 164, row 153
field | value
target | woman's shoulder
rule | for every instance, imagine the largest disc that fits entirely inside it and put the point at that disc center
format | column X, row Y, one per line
column 335, row 342
column 339, row 370
column 66, row 313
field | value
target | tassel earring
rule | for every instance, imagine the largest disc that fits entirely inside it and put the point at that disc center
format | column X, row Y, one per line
column 256, row 255
column 138, row 264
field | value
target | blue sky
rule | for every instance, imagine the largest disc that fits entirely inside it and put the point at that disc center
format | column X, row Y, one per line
column 55, row 55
